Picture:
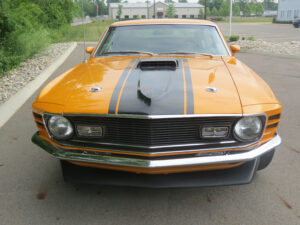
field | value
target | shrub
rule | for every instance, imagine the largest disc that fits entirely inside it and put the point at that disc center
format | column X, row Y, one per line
column 234, row 38
column 251, row 38
column 28, row 26
column 219, row 18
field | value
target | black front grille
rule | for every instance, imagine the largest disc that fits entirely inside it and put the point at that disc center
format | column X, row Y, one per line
column 150, row 132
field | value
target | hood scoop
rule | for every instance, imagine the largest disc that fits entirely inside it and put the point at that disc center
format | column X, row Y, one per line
column 158, row 64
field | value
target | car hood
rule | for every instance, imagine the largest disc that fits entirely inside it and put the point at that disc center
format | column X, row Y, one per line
column 196, row 85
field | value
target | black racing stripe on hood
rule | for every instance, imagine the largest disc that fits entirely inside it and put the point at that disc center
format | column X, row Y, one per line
column 189, row 88
column 116, row 93
column 153, row 92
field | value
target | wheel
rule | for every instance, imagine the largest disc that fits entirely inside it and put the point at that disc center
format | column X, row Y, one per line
column 265, row 159
column 296, row 25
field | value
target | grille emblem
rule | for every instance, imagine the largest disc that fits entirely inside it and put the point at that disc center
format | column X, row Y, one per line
column 95, row 89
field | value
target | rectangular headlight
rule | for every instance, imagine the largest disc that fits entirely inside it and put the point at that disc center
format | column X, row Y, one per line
column 214, row 132
column 89, row 131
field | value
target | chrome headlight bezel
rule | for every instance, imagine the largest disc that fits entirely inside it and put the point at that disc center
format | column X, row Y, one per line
column 261, row 119
column 47, row 119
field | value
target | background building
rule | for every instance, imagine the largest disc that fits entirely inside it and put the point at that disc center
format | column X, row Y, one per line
column 288, row 10
column 140, row 10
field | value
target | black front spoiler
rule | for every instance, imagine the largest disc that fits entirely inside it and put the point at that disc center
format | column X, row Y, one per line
column 238, row 175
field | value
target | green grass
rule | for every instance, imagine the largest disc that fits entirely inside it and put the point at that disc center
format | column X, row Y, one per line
column 248, row 20
column 93, row 31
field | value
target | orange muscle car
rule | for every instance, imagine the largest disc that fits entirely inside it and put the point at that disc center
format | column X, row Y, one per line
column 159, row 103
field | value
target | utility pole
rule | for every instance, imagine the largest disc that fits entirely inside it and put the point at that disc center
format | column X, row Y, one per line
column 154, row 10
column 205, row 9
column 230, row 18
column 148, row 9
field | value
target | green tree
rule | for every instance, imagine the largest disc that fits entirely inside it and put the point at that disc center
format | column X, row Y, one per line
column 214, row 12
column 270, row 5
column 182, row 1
column 120, row 9
column 201, row 14
column 170, row 12
column 236, row 10
column 217, row 3
column 113, row 1
column 242, row 4
column 247, row 10
column 259, row 9
column 208, row 13
column 225, row 8
column 102, row 7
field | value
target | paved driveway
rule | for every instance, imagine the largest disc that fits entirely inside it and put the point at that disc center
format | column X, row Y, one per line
column 32, row 190
column 264, row 31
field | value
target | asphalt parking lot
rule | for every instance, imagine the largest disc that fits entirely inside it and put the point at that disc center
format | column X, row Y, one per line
column 263, row 31
column 32, row 190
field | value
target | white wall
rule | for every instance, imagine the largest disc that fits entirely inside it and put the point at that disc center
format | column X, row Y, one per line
column 288, row 10
column 131, row 12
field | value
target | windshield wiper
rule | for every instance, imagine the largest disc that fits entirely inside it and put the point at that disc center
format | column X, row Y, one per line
column 127, row 52
column 186, row 53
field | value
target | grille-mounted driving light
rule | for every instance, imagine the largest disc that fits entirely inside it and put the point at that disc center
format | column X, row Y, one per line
column 214, row 132
column 89, row 131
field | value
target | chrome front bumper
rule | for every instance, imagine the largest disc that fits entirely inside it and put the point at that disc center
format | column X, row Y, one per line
column 72, row 155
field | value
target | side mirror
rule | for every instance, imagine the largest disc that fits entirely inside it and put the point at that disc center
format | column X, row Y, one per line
column 89, row 50
column 235, row 49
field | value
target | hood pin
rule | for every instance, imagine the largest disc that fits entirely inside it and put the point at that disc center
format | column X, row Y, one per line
column 211, row 89
column 95, row 89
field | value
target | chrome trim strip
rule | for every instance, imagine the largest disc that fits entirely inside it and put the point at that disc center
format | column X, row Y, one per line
column 156, row 146
column 163, row 163
column 155, row 116
column 164, row 152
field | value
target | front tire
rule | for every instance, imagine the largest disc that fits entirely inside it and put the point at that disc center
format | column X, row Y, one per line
column 265, row 159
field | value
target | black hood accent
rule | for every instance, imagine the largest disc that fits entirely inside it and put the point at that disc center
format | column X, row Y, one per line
column 158, row 64
column 189, row 88
column 158, row 91
column 116, row 93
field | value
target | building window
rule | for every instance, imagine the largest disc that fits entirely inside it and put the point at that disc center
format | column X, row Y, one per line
column 192, row 16
column 296, row 13
column 176, row 16
column 143, row 16
column 183, row 16
column 282, row 13
column 289, row 14
column 126, row 17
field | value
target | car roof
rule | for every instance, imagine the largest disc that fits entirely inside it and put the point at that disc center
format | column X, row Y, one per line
column 162, row 21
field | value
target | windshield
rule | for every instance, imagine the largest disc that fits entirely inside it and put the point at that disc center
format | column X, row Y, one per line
column 162, row 38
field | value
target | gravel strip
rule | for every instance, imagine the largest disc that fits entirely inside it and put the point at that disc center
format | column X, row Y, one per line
column 290, row 48
column 28, row 70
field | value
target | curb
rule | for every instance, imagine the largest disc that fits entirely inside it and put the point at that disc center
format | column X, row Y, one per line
column 14, row 103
